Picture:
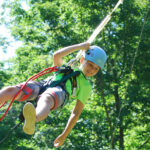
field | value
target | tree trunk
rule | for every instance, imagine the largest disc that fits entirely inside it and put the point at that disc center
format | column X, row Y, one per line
column 121, row 141
column 108, row 115
column 118, row 111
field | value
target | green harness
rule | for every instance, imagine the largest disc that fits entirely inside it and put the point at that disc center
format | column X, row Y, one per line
column 65, row 74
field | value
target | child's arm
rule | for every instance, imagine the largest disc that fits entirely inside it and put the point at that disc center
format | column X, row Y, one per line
column 71, row 122
column 58, row 55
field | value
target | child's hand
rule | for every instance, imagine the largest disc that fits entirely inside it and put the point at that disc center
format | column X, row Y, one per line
column 59, row 140
column 86, row 45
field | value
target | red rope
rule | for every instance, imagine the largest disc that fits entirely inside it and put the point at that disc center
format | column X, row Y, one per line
column 43, row 72
column 2, row 104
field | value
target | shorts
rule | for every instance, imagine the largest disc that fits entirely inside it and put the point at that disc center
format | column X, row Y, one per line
column 32, row 92
column 58, row 94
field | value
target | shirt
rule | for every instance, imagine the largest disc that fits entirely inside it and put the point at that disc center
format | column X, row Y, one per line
column 83, row 90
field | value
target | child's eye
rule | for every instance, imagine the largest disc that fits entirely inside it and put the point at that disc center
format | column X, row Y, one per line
column 91, row 65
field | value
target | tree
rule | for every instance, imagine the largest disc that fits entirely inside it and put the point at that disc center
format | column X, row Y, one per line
column 119, row 105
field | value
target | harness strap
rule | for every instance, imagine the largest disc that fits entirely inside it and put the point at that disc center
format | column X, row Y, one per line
column 26, row 89
column 56, row 100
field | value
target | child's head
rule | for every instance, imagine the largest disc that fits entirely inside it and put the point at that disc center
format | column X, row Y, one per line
column 92, row 60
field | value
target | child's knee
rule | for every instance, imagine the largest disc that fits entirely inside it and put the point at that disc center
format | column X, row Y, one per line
column 47, row 99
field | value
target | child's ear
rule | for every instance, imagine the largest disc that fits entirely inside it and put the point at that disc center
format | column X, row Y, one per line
column 81, row 60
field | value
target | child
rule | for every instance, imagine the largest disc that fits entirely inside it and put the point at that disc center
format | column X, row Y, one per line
column 52, row 98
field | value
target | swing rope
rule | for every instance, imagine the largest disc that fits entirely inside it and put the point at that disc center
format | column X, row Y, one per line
column 137, row 49
column 99, row 28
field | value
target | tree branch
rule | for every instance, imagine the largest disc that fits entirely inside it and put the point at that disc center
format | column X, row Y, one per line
column 107, row 114
column 141, row 146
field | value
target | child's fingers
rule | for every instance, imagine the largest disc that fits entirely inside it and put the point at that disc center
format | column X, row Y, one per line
column 56, row 143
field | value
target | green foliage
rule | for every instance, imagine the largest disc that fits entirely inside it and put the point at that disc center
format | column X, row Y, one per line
column 117, row 114
column 4, row 43
column 4, row 76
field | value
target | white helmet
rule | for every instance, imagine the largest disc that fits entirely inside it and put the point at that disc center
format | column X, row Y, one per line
column 96, row 55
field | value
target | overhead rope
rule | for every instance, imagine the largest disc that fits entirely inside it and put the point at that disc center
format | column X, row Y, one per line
column 137, row 49
column 99, row 28
column 103, row 23
column 132, row 66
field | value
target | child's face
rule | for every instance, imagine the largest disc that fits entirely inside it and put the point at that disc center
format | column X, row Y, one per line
column 89, row 68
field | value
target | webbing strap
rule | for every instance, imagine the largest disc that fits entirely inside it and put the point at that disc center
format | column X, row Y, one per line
column 64, row 79
column 28, row 90
column 56, row 100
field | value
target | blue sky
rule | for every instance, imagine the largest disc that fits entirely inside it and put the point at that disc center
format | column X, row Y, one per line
column 5, row 32
column 11, row 49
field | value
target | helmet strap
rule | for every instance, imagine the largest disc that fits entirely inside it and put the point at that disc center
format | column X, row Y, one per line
column 81, row 60
column 82, row 64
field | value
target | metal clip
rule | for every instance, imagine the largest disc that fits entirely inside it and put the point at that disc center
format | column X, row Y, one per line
column 74, row 92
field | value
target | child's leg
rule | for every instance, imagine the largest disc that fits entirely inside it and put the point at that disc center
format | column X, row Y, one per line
column 51, row 99
column 8, row 93
column 44, row 105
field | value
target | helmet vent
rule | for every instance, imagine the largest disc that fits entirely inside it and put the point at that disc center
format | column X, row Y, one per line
column 96, row 55
column 88, row 52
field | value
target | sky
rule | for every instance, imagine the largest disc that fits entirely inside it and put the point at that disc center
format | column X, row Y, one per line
column 5, row 32
column 11, row 49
